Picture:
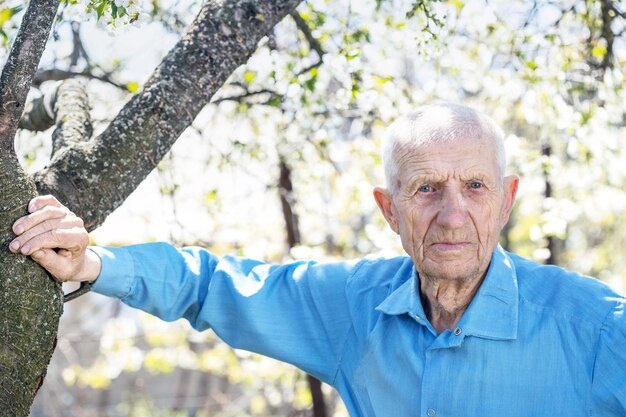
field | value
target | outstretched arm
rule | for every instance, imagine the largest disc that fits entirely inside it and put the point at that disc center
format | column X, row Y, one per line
column 56, row 239
column 297, row 313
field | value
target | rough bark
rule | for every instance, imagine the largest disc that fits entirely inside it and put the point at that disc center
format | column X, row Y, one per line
column 71, row 115
column 30, row 301
column 95, row 178
column 67, row 106
column 39, row 113
column 21, row 65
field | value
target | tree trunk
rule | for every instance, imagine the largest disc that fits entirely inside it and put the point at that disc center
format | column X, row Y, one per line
column 287, row 202
column 30, row 301
column 546, row 150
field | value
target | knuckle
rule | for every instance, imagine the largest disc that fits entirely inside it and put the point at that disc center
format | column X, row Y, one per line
column 56, row 235
column 50, row 210
column 47, row 224
column 84, row 240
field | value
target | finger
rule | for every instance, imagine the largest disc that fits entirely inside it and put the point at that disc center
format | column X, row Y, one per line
column 53, row 262
column 73, row 240
column 46, row 213
column 67, row 222
column 41, row 201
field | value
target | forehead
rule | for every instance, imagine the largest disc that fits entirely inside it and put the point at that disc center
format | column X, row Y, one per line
column 454, row 158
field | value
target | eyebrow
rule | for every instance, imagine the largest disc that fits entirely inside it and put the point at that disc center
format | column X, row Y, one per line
column 433, row 178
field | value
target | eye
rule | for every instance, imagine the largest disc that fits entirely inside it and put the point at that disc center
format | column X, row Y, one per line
column 475, row 185
column 425, row 189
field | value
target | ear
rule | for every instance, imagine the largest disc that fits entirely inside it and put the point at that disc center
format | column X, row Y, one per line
column 510, row 191
column 385, row 204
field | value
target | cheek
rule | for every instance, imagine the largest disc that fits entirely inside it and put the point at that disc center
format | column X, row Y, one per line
column 486, row 218
column 419, row 222
column 414, row 223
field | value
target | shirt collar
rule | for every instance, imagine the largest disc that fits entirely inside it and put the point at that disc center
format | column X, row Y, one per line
column 492, row 314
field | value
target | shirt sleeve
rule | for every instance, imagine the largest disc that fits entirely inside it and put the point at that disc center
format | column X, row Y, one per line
column 297, row 313
column 609, row 376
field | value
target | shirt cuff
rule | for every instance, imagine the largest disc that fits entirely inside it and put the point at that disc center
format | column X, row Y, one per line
column 116, row 274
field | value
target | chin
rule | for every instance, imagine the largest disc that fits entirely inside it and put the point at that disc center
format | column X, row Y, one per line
column 456, row 272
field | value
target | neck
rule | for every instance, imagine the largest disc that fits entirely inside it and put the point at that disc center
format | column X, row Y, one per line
column 446, row 300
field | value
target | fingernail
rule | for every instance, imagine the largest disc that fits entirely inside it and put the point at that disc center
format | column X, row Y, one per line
column 18, row 229
column 31, row 207
column 25, row 249
column 15, row 245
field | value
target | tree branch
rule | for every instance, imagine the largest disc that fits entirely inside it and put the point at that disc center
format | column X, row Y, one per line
column 314, row 44
column 67, row 106
column 95, row 179
column 308, row 35
column 39, row 113
column 240, row 98
column 56, row 74
column 71, row 116
column 607, row 33
column 21, row 65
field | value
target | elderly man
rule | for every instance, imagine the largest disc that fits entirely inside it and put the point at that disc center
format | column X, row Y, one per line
column 458, row 328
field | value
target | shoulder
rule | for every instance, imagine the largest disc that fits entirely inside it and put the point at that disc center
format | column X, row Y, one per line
column 567, row 294
column 377, row 271
column 373, row 278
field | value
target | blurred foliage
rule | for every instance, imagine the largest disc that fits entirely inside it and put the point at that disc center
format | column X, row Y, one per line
column 318, row 93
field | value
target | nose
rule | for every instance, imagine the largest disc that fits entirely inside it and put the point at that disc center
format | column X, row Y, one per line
column 453, row 209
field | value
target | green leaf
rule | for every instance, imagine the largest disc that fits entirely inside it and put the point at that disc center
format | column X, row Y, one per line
column 353, row 53
column 310, row 83
column 133, row 86
column 599, row 51
column 100, row 9
column 531, row 64
column 249, row 76
column 380, row 81
column 275, row 101
column 210, row 197
column 6, row 14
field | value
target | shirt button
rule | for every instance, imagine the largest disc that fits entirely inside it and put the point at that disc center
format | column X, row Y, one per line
column 430, row 412
column 457, row 331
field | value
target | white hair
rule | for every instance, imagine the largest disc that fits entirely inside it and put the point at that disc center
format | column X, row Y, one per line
column 438, row 123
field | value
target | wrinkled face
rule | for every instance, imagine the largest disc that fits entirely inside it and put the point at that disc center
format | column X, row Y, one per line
column 449, row 207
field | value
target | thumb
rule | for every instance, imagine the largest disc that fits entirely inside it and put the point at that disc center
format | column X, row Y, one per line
column 39, row 256
column 46, row 258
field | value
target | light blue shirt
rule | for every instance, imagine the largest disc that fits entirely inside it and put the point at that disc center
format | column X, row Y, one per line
column 535, row 341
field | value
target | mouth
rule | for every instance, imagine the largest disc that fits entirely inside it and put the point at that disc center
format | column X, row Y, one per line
column 449, row 246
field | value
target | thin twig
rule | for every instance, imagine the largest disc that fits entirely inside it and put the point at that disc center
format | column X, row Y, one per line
column 56, row 74
column 240, row 98
column 314, row 44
